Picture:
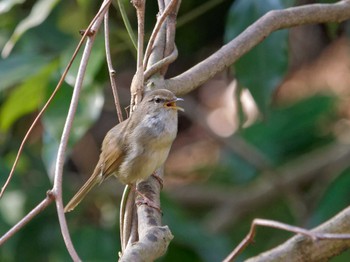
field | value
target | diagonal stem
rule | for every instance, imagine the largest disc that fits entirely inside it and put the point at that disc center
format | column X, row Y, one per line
column 25, row 220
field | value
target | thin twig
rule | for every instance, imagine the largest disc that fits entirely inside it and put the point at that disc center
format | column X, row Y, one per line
column 170, row 33
column 279, row 225
column 140, row 11
column 123, row 216
column 25, row 220
column 111, row 69
column 57, row 188
column 156, row 29
column 59, row 84
column 136, row 88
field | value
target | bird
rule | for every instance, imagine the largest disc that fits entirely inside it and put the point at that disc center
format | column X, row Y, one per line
column 135, row 148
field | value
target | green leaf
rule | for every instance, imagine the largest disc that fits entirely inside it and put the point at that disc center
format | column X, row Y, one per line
column 38, row 14
column 19, row 67
column 261, row 69
column 25, row 98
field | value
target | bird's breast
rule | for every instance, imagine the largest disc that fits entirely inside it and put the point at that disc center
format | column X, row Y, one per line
column 160, row 127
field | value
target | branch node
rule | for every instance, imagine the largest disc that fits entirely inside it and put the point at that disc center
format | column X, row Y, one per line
column 90, row 33
column 51, row 194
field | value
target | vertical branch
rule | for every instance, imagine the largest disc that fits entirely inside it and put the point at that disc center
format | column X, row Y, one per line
column 156, row 52
column 111, row 70
column 140, row 11
column 136, row 225
column 170, row 34
column 57, row 188
column 136, row 88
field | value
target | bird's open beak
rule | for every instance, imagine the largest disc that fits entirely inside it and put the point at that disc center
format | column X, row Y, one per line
column 172, row 104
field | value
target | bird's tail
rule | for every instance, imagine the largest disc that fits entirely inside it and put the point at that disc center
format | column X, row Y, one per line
column 78, row 197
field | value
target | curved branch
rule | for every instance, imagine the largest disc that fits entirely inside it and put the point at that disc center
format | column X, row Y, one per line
column 57, row 188
column 253, row 35
column 156, row 29
column 111, row 71
column 160, row 64
column 302, row 248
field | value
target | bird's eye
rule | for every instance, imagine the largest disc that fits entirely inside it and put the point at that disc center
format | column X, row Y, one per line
column 157, row 100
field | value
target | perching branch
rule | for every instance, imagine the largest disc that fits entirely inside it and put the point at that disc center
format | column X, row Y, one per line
column 253, row 35
column 153, row 238
column 143, row 238
column 127, row 217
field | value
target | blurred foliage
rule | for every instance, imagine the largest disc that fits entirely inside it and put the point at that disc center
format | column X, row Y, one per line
column 31, row 71
column 263, row 68
column 293, row 130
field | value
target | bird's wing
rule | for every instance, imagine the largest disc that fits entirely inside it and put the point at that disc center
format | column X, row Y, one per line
column 113, row 151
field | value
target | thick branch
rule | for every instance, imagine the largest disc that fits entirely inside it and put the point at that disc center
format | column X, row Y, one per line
column 253, row 35
column 151, row 245
column 302, row 248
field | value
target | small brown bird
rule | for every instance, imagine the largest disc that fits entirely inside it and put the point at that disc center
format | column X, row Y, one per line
column 136, row 147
